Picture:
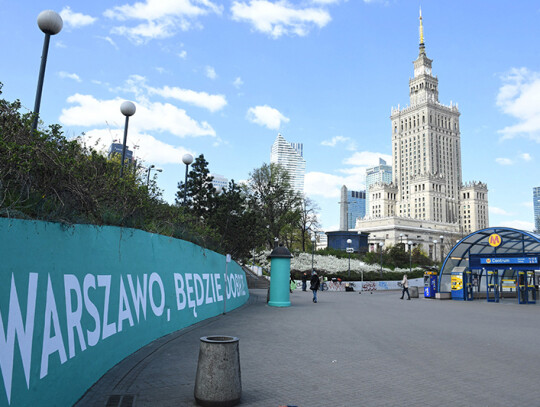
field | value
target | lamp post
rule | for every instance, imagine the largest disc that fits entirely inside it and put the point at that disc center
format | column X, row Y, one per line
column 312, row 252
column 50, row 23
column 400, row 238
column 128, row 109
column 410, row 256
column 149, row 170
column 186, row 159
column 442, row 257
column 380, row 250
column 349, row 241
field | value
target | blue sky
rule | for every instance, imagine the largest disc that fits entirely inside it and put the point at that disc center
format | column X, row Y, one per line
column 223, row 78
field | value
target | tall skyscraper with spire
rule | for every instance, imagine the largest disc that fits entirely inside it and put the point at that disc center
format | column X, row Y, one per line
column 427, row 190
column 290, row 156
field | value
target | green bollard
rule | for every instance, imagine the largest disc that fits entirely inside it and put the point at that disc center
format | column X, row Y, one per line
column 280, row 276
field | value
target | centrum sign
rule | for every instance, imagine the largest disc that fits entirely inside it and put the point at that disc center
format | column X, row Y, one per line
column 509, row 260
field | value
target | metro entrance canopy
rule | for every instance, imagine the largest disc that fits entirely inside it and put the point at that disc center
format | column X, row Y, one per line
column 492, row 248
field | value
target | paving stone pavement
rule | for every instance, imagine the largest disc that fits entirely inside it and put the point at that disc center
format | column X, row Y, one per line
column 350, row 350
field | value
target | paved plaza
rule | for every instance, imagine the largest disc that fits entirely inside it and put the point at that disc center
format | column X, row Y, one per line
column 350, row 350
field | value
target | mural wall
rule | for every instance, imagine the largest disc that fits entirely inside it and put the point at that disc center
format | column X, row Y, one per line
column 76, row 300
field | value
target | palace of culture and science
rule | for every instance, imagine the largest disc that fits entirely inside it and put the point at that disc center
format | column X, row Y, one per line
column 427, row 203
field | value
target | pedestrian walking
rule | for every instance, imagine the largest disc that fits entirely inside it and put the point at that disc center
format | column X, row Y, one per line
column 304, row 281
column 405, row 287
column 315, row 283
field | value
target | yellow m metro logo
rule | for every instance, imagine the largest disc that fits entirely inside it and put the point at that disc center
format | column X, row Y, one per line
column 494, row 240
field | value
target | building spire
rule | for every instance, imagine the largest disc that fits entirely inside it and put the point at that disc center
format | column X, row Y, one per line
column 422, row 47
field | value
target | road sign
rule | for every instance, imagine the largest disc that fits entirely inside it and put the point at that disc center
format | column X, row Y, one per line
column 350, row 250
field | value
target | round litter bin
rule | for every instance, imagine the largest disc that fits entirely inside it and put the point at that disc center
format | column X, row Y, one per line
column 414, row 291
column 218, row 382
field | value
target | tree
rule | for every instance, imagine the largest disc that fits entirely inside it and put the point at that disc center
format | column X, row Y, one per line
column 200, row 190
column 273, row 199
column 236, row 222
column 308, row 220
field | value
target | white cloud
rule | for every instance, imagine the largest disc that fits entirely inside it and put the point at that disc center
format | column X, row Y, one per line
column 60, row 44
column 520, row 97
column 161, row 18
column 67, row 75
column 266, row 116
column 329, row 185
column 211, row 72
column 493, row 210
column 150, row 149
column 238, row 82
column 527, row 204
column 182, row 54
column 526, row 157
column 504, row 161
column 518, row 224
column 136, row 84
column 367, row 159
column 334, row 141
column 109, row 40
column 201, row 99
column 152, row 117
column 279, row 18
column 76, row 20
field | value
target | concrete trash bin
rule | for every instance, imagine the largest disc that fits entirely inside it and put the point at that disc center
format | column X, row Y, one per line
column 413, row 291
column 218, row 382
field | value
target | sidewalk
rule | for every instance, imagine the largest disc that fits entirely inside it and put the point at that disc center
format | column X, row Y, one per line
column 349, row 350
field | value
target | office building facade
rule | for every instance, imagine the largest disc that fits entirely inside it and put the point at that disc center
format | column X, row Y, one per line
column 536, row 207
column 290, row 157
column 426, row 198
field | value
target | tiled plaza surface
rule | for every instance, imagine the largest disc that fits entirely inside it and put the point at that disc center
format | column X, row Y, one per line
column 350, row 350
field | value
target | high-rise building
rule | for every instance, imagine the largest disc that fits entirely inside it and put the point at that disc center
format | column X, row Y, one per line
column 219, row 181
column 426, row 199
column 536, row 206
column 380, row 174
column 116, row 149
column 352, row 207
column 290, row 156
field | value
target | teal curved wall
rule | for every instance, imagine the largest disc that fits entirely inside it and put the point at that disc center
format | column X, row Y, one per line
column 76, row 300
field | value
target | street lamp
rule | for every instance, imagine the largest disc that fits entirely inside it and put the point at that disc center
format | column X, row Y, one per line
column 149, row 170
column 312, row 252
column 128, row 109
column 186, row 159
column 410, row 256
column 349, row 241
column 50, row 23
column 442, row 258
column 400, row 238
column 380, row 250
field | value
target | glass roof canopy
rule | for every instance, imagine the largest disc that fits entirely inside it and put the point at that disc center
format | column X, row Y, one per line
column 514, row 243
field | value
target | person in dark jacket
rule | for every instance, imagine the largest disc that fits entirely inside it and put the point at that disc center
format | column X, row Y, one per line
column 315, row 283
column 304, row 281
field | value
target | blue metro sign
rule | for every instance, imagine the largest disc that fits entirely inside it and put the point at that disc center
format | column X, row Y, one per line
column 509, row 260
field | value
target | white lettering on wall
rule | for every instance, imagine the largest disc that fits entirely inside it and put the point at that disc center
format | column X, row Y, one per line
column 51, row 344
column 92, row 336
column 15, row 327
column 179, row 291
column 73, row 317
column 157, row 310
column 108, row 329
column 124, row 310
column 139, row 299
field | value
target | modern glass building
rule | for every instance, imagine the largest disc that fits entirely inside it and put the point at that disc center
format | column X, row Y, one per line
column 290, row 156
column 356, row 207
column 381, row 173
column 536, row 206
